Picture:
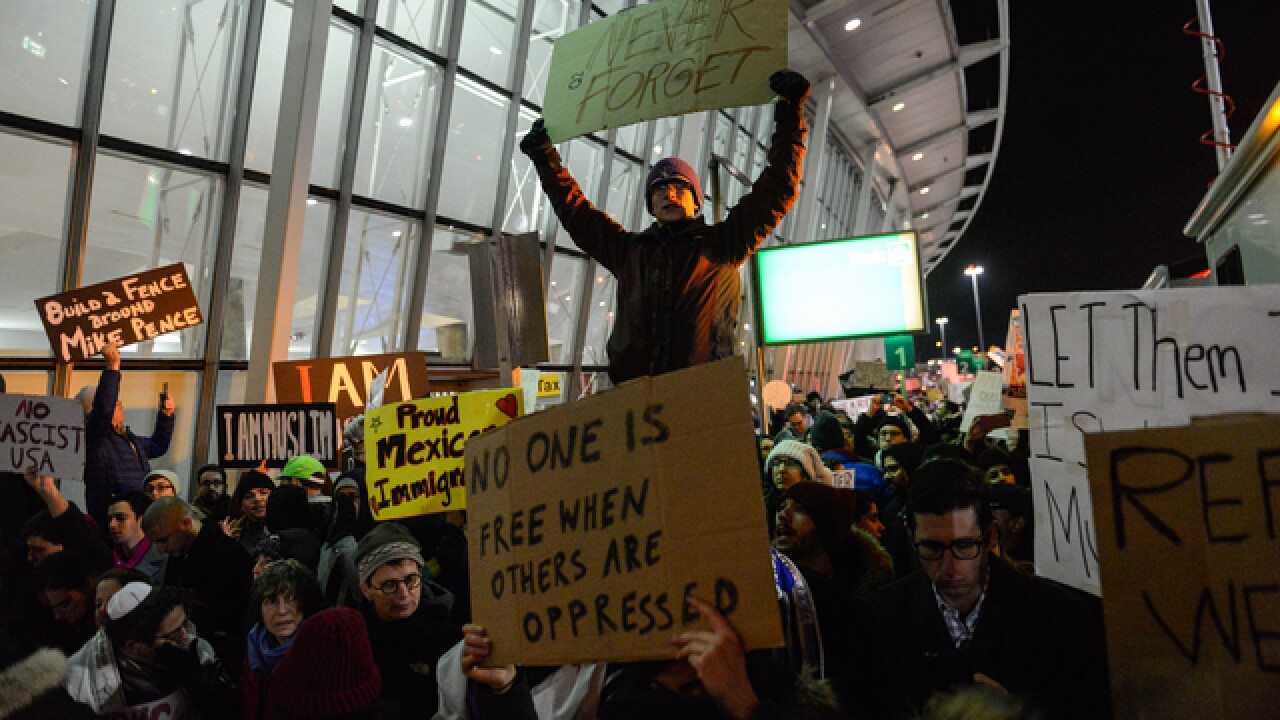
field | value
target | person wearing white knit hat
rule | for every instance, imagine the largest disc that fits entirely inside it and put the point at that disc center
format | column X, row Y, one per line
column 792, row 461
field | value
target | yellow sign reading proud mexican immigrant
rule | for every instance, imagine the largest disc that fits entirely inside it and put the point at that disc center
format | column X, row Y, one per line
column 664, row 58
column 415, row 449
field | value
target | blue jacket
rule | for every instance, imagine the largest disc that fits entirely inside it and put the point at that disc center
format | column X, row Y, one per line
column 117, row 463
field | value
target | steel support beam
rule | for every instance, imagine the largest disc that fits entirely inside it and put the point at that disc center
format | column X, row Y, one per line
column 287, row 196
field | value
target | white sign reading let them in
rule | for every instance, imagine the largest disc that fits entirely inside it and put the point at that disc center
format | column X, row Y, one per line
column 1128, row 360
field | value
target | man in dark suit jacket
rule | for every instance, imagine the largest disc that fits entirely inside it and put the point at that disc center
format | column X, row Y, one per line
column 967, row 617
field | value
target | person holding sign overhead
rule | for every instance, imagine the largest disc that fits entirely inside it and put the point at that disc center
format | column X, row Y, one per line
column 116, row 460
column 678, row 282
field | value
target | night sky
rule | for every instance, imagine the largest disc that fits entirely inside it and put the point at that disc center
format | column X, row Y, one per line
column 1101, row 164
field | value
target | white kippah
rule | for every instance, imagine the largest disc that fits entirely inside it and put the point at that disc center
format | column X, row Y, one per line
column 127, row 598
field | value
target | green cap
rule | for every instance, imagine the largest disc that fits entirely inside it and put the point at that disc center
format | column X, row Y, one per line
column 303, row 467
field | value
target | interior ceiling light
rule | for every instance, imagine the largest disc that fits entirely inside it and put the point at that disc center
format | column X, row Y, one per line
column 918, row 156
column 924, row 216
column 853, row 24
column 899, row 107
column 924, row 190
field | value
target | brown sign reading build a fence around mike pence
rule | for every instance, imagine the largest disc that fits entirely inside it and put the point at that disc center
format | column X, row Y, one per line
column 127, row 310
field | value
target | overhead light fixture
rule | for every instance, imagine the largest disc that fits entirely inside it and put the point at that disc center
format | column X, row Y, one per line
column 924, row 216
column 495, row 49
column 311, row 201
column 853, row 24
column 899, row 107
column 406, row 122
column 918, row 156
column 924, row 190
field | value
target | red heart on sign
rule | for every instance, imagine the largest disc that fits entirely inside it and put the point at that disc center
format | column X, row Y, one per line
column 508, row 405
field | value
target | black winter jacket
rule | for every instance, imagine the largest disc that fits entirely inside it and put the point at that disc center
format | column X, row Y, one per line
column 678, row 284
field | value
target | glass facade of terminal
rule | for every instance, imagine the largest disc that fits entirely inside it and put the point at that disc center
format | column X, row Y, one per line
column 124, row 146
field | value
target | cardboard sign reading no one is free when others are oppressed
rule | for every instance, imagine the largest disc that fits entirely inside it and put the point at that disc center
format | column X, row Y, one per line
column 588, row 524
column 126, row 310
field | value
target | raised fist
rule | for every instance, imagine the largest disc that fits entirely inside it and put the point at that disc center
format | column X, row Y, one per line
column 535, row 138
column 789, row 85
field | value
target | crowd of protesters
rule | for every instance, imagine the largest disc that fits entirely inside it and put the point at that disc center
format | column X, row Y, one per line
column 900, row 548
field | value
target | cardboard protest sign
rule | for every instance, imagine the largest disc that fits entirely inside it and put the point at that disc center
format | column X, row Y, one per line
column 986, row 397
column 1190, row 565
column 414, row 450
column 588, row 524
column 1125, row 360
column 126, row 310
column 45, row 432
column 664, row 58
column 874, row 375
column 250, row 434
column 346, row 382
column 1015, row 373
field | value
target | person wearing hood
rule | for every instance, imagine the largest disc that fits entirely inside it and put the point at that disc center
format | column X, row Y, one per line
column 289, row 519
column 247, row 522
column 828, row 437
column 34, row 687
column 678, row 281
column 898, row 462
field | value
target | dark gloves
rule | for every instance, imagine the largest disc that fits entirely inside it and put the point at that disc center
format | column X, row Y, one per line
column 536, row 137
column 790, row 86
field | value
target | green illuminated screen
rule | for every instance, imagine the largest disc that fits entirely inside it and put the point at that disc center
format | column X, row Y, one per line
column 858, row 287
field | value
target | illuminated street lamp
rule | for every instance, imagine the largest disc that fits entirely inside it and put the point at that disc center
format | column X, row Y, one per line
column 942, row 328
column 973, row 271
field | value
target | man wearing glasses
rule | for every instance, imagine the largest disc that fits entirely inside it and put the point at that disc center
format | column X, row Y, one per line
column 968, row 618
column 408, row 632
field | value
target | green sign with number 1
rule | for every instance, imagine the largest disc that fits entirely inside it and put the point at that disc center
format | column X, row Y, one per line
column 900, row 352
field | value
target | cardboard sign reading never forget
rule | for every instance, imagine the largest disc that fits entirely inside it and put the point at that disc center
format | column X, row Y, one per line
column 662, row 59
column 589, row 523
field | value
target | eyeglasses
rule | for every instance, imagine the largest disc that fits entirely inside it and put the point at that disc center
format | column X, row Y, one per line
column 411, row 582
column 179, row 635
column 158, row 486
column 934, row 551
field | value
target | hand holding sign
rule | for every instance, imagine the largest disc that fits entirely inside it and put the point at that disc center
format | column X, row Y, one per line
column 476, row 647
column 111, row 353
column 720, row 661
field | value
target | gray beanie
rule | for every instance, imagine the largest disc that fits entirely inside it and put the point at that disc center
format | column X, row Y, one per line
column 388, row 542
column 803, row 453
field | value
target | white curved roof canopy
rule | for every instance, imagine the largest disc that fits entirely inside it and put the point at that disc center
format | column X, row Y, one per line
column 903, row 87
